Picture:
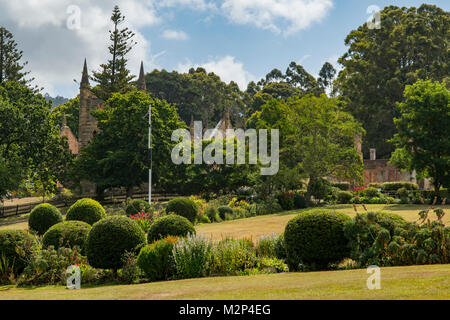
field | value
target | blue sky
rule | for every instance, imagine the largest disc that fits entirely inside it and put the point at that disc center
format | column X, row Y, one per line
column 239, row 40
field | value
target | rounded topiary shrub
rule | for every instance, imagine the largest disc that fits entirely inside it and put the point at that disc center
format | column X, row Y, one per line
column 371, row 192
column 170, row 225
column 224, row 211
column 110, row 238
column 43, row 216
column 10, row 240
column 137, row 206
column 183, row 207
column 156, row 259
column 315, row 239
column 344, row 197
column 68, row 234
column 86, row 210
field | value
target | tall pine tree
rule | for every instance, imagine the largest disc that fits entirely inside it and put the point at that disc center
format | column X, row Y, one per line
column 10, row 56
column 114, row 75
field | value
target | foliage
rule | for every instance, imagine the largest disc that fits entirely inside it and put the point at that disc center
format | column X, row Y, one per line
column 271, row 265
column 118, row 156
column 233, row 256
column 423, row 129
column 269, row 205
column 299, row 201
column 344, row 197
column 319, row 188
column 344, row 186
column 43, row 216
column 192, row 256
column 394, row 186
column 315, row 239
column 144, row 220
column 86, row 210
column 130, row 272
column 16, row 246
column 49, row 266
column 280, row 247
column 110, row 238
column 67, row 234
column 183, row 207
column 213, row 214
column 379, row 64
column 266, row 246
column 137, row 206
column 286, row 200
column 224, row 211
column 170, row 225
column 114, row 76
column 10, row 56
column 156, row 259
column 371, row 192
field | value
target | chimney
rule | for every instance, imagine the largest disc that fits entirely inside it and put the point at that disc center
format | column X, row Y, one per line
column 373, row 154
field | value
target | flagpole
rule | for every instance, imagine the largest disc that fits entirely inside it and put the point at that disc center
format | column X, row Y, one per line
column 150, row 153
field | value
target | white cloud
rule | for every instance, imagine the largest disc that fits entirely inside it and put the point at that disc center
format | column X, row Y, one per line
column 227, row 68
column 287, row 16
column 175, row 35
column 193, row 4
column 55, row 53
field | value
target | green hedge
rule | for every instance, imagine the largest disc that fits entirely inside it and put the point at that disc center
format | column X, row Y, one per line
column 43, row 216
column 170, row 225
column 183, row 207
column 394, row 186
column 110, row 238
column 86, row 210
column 10, row 241
column 224, row 211
column 68, row 234
column 344, row 186
column 344, row 197
column 315, row 239
column 156, row 259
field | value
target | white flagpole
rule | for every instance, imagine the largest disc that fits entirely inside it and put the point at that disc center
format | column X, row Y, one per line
column 150, row 153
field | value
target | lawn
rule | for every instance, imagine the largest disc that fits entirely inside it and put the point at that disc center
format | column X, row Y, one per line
column 275, row 224
column 417, row 282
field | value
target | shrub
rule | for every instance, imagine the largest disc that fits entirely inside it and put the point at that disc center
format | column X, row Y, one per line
column 315, row 239
column 156, row 259
column 143, row 220
column 343, row 186
column 110, row 238
column 375, row 185
column 213, row 214
column 344, row 197
column 266, row 245
column 319, row 188
column 272, row 265
column 394, row 186
column 68, row 234
column 16, row 246
column 183, row 207
column 192, row 256
column 268, row 206
column 170, row 225
column 232, row 257
column 86, row 210
column 137, row 206
column 43, row 216
column 371, row 192
column 223, row 211
column 402, row 193
column 299, row 201
column 130, row 272
column 286, row 200
column 280, row 247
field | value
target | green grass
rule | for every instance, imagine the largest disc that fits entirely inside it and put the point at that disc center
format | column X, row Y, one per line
column 417, row 282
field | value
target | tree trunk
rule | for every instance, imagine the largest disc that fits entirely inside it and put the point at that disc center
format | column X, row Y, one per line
column 129, row 192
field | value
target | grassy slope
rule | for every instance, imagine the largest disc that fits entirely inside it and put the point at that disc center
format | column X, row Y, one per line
column 418, row 282
column 264, row 225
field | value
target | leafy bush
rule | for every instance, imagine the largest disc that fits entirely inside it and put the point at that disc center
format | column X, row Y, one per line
column 86, row 210
column 375, row 185
column 402, row 193
column 315, row 239
column 223, row 211
column 232, row 257
column 286, row 200
column 48, row 266
column 269, row 205
column 372, row 192
column 203, row 219
column 344, row 197
column 319, row 188
column 265, row 247
column 271, row 265
column 130, row 272
column 43, row 216
column 68, row 234
column 137, row 206
column 143, row 220
column 394, row 186
column 110, row 238
column 156, row 259
column 299, row 201
column 170, row 225
column 343, row 186
column 280, row 247
column 183, row 207
column 213, row 214
column 192, row 256
column 16, row 246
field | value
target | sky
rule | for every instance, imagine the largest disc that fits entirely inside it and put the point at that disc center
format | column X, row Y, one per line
column 240, row 40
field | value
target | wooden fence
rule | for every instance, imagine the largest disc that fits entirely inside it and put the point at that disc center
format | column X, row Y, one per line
column 9, row 211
